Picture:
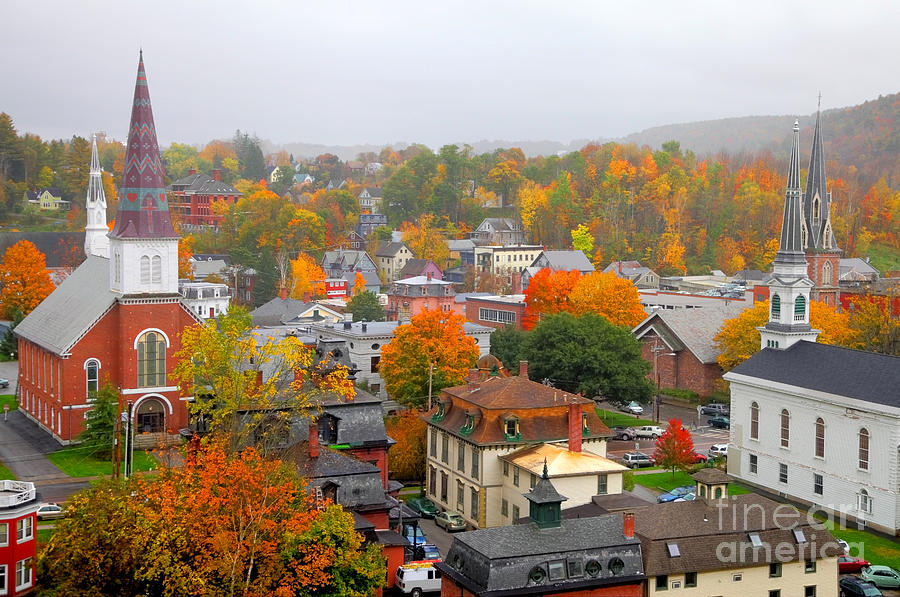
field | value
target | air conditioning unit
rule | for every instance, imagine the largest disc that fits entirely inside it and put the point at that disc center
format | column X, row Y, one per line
column 676, row 584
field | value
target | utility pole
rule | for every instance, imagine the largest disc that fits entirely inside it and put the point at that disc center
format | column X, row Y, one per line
column 129, row 441
column 430, row 378
column 117, row 430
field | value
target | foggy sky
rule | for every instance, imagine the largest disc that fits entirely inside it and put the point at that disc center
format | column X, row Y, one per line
column 435, row 72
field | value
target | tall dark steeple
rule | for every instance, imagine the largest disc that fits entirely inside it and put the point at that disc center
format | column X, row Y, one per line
column 817, row 199
column 790, row 285
column 143, row 210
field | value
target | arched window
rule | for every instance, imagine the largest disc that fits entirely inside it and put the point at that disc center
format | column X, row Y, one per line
column 156, row 270
column 754, row 420
column 800, row 308
column 151, row 356
column 145, row 269
column 151, row 416
column 785, row 428
column 817, row 207
column 827, row 272
column 91, row 375
column 718, row 493
column 864, row 449
column 865, row 501
column 776, row 306
column 820, row 438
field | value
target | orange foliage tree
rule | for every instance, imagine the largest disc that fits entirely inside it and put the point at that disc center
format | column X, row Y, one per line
column 406, row 458
column 222, row 524
column 24, row 279
column 359, row 284
column 307, row 277
column 614, row 298
column 548, row 293
column 185, row 251
column 430, row 338
column 738, row 339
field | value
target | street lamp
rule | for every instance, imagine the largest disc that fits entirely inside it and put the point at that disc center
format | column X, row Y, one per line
column 656, row 350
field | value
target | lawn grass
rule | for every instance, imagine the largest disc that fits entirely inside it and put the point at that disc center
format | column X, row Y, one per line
column 614, row 419
column 75, row 461
column 863, row 544
column 665, row 482
column 9, row 399
column 43, row 536
column 5, row 473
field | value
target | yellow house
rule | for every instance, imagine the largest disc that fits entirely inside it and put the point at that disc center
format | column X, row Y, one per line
column 734, row 546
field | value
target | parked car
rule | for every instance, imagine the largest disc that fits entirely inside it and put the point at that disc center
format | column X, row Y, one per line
column 450, row 521
column 881, row 576
column 674, row 494
column 688, row 497
column 624, row 433
column 50, row 511
column 4, row 383
column 720, row 422
column 852, row 586
column 637, row 459
column 416, row 579
column 414, row 534
column 698, row 457
column 418, row 553
column 717, row 450
column 851, row 565
column 844, row 545
column 634, row 408
column 715, row 409
column 651, row 431
column 424, row 506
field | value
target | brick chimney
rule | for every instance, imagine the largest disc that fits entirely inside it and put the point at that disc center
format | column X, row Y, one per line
column 283, row 293
column 474, row 378
column 575, row 425
column 628, row 526
column 313, row 440
column 192, row 171
column 428, row 276
column 523, row 369
column 217, row 174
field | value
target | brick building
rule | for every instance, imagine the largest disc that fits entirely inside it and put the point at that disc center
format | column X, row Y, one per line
column 193, row 199
column 496, row 311
column 411, row 296
column 117, row 318
column 18, row 537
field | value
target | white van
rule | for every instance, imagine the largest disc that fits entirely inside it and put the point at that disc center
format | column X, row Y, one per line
column 417, row 578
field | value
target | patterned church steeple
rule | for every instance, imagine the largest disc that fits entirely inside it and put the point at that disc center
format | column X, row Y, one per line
column 143, row 210
column 95, row 233
column 143, row 246
column 790, row 285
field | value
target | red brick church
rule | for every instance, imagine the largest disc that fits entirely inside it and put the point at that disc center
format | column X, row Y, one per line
column 119, row 316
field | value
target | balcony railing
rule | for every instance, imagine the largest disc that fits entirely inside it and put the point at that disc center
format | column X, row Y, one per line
column 13, row 493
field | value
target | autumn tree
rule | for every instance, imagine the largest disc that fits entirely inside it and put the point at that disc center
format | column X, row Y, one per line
column 365, row 306
column 406, row 458
column 432, row 340
column 875, row 328
column 223, row 524
column 425, row 240
column 674, row 448
column 739, row 338
column 359, row 284
column 307, row 278
column 589, row 355
column 548, row 293
column 249, row 385
column 24, row 279
column 616, row 299
column 100, row 421
column 583, row 240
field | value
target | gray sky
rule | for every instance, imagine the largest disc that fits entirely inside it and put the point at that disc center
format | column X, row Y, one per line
column 436, row 72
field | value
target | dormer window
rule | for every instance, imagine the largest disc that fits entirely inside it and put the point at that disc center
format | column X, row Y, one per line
column 328, row 429
column 469, row 425
column 585, row 429
column 511, row 428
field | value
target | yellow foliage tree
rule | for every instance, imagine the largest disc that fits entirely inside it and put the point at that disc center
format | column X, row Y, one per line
column 533, row 203
column 614, row 298
column 307, row 278
column 425, row 240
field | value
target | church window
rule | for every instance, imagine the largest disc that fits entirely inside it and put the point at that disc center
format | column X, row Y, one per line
column 145, row 269
column 156, row 270
column 865, row 501
column 92, row 375
column 776, row 306
column 827, row 272
column 817, row 205
column 150, row 416
column 864, row 449
column 151, row 360
column 820, row 438
column 118, row 273
column 800, row 308
column 785, row 428
column 754, row 420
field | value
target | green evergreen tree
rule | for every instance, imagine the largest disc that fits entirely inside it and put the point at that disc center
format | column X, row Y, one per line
column 100, row 422
column 9, row 346
column 365, row 307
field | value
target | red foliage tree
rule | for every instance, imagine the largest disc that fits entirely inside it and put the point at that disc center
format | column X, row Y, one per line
column 675, row 447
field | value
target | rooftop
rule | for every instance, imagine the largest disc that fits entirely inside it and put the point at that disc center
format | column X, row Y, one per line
column 561, row 462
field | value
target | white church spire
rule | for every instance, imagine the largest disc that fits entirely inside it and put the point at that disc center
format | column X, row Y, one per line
column 95, row 239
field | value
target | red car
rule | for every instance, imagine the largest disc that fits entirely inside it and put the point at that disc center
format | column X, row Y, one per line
column 698, row 457
column 849, row 564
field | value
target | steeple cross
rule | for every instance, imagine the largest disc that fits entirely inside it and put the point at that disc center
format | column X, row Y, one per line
column 149, row 207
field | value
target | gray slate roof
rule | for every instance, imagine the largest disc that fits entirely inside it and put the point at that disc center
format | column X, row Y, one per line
column 54, row 245
column 203, row 184
column 834, row 370
column 564, row 261
column 70, row 310
column 692, row 328
column 389, row 248
column 278, row 311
